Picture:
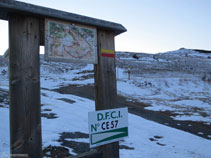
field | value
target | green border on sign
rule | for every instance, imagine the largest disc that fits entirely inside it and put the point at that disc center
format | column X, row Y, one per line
column 123, row 134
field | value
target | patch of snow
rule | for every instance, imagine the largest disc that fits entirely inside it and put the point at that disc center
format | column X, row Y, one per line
column 83, row 140
column 193, row 103
column 52, row 80
column 192, row 118
column 4, row 131
column 179, row 95
column 159, row 108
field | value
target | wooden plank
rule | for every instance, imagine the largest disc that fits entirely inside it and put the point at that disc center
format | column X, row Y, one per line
column 11, row 6
column 105, row 85
column 24, row 65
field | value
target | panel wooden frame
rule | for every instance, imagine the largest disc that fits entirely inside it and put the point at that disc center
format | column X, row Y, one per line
column 63, row 59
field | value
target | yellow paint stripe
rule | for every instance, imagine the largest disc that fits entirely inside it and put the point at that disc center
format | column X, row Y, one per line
column 108, row 51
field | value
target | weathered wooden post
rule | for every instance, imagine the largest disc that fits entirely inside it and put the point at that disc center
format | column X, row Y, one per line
column 105, row 83
column 128, row 73
column 24, row 65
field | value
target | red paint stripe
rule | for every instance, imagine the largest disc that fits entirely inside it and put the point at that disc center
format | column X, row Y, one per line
column 107, row 55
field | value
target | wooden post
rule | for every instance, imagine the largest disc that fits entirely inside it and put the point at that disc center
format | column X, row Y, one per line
column 105, row 83
column 24, row 65
column 129, row 74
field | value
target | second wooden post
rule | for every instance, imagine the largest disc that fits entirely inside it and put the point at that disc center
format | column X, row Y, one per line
column 105, row 83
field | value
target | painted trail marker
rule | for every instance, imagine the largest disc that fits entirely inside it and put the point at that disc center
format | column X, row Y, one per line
column 107, row 126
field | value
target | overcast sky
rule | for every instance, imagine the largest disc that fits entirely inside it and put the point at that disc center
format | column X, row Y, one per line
column 153, row 25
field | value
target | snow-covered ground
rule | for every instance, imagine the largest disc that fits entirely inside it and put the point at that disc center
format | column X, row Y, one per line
column 177, row 81
column 186, row 95
column 149, row 139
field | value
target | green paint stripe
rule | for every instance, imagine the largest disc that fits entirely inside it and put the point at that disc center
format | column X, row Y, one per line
column 124, row 134
column 114, row 130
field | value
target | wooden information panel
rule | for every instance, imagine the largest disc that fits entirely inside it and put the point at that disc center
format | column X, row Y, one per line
column 68, row 42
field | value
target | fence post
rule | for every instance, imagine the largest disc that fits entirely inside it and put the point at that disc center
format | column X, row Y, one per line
column 105, row 84
column 24, row 81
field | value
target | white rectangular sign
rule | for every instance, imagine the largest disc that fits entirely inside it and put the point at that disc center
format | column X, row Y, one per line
column 107, row 126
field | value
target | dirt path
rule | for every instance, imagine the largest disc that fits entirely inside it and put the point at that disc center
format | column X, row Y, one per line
column 137, row 108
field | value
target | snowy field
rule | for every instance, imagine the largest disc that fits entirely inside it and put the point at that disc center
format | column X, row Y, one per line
column 146, row 138
column 188, row 97
column 178, row 82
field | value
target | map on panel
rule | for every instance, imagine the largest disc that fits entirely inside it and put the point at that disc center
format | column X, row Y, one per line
column 69, row 42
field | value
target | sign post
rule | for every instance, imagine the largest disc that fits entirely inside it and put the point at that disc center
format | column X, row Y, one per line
column 105, row 83
column 24, row 66
column 107, row 126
